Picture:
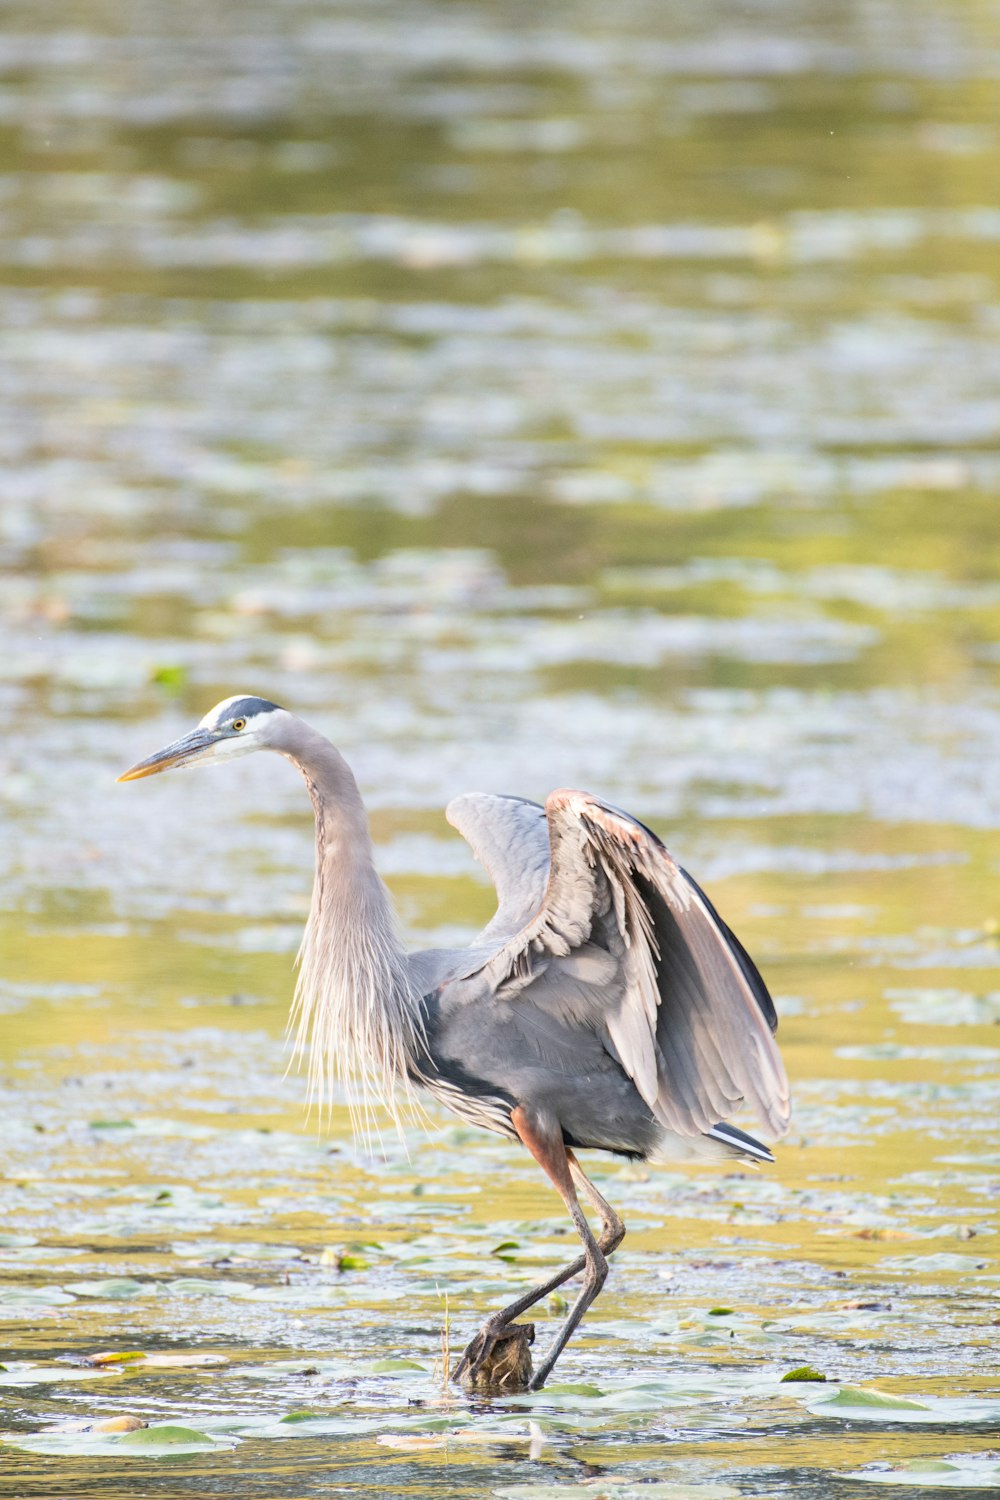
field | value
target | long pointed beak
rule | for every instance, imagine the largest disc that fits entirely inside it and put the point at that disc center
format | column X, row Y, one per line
column 190, row 747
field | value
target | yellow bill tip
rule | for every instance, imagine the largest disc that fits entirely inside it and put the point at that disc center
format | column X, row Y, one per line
column 137, row 772
column 197, row 745
column 147, row 768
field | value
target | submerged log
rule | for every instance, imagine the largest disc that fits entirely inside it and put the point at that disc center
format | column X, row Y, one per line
column 506, row 1369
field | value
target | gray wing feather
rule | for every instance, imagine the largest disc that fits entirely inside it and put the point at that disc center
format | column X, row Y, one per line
column 681, row 1014
column 510, row 838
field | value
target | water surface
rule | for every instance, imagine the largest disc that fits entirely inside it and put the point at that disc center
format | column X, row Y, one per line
column 528, row 397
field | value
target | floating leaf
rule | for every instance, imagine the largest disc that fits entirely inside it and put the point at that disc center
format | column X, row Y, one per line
column 181, row 1359
column 966, row 1473
column 173, row 678
column 174, row 1359
column 256, row 1251
column 569, row 1388
column 198, row 1286
column 301, row 1424
column 855, row 1404
column 352, row 1263
column 173, row 1438
column 853, row 1396
column 28, row 1373
column 291, row 1369
column 117, row 1288
column 145, row 1442
column 617, row 1488
column 943, row 1261
column 35, row 1296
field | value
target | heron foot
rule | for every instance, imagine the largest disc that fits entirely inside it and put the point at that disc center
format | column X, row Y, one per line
column 498, row 1358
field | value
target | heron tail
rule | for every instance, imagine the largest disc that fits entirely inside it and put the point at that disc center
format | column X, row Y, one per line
column 721, row 1143
column 738, row 1143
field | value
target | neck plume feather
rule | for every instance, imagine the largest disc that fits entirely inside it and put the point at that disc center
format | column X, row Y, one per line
column 356, row 1011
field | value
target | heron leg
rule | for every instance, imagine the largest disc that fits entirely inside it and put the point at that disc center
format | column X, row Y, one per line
column 612, row 1228
column 561, row 1166
column 481, row 1346
column 612, row 1234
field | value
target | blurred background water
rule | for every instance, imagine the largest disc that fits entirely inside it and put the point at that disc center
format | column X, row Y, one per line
column 529, row 396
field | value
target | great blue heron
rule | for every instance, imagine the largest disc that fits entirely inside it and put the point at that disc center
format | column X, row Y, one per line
column 606, row 1006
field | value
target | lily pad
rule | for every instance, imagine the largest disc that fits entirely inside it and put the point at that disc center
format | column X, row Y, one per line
column 856, row 1404
column 162, row 1441
column 117, row 1288
column 285, row 1370
column 198, row 1286
column 966, row 1473
column 853, row 1396
column 568, row 1388
column 945, row 1007
column 26, row 1372
column 617, row 1489
column 297, row 1424
column 157, row 1359
column 504, row 1248
column 172, row 1439
column 181, row 1359
column 637, row 1396
column 350, row 1262
column 942, row 1262
column 15, row 1297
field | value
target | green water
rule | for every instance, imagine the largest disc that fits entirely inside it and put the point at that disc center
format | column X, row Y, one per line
column 602, row 396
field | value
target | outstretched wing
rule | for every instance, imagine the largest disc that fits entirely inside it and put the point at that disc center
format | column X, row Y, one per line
column 751, row 973
column 622, row 935
column 510, row 838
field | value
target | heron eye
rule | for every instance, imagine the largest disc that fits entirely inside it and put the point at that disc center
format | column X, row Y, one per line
column 239, row 724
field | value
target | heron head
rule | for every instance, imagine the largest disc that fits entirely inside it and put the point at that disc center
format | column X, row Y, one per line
column 233, row 727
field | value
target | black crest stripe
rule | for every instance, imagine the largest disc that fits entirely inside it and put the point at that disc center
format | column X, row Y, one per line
column 245, row 708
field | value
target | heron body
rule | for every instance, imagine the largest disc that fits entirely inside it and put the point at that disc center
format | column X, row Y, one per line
column 605, row 1006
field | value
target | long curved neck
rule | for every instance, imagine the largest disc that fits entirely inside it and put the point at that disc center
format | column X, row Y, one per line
column 354, row 1000
column 343, row 840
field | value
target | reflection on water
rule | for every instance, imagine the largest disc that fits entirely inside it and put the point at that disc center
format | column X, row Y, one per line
column 584, row 396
